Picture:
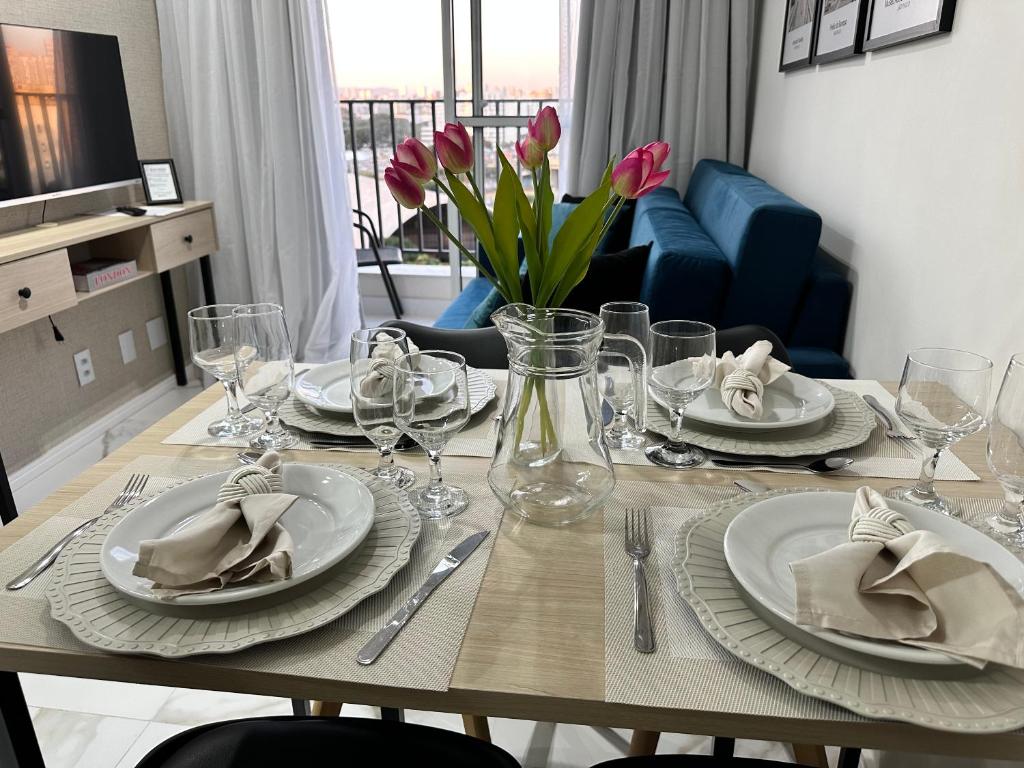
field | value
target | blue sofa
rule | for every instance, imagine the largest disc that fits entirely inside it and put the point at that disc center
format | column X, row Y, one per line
column 732, row 251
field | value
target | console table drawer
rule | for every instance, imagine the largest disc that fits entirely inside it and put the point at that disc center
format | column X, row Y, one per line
column 45, row 280
column 183, row 239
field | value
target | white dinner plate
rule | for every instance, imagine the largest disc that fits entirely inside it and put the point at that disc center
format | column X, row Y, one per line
column 791, row 400
column 331, row 517
column 328, row 387
column 765, row 538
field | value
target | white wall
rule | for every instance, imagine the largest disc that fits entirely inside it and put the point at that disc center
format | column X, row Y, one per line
column 914, row 157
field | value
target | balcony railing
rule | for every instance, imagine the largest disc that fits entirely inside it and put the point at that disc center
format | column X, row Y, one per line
column 374, row 127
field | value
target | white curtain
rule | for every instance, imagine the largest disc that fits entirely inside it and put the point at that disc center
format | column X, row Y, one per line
column 255, row 127
column 675, row 70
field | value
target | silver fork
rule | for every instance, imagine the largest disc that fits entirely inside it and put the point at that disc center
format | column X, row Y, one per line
column 638, row 546
column 132, row 490
column 887, row 420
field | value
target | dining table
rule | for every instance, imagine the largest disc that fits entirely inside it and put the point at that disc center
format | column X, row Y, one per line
column 534, row 647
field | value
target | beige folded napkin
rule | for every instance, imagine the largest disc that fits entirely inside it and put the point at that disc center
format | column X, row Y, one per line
column 237, row 541
column 380, row 376
column 891, row 582
column 742, row 379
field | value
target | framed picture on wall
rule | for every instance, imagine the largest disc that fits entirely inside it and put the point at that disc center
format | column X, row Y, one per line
column 798, row 35
column 891, row 22
column 840, row 30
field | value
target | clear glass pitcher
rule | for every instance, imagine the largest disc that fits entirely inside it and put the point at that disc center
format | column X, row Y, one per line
column 551, row 464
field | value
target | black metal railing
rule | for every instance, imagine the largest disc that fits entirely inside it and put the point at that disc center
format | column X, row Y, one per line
column 375, row 127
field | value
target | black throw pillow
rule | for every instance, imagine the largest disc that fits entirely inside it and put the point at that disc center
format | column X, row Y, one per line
column 617, row 238
column 615, row 276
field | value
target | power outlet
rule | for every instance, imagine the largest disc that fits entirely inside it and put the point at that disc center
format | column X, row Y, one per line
column 127, row 342
column 156, row 330
column 83, row 366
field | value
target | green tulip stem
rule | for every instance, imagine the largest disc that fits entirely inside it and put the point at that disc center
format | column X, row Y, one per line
column 609, row 220
column 476, row 191
column 465, row 251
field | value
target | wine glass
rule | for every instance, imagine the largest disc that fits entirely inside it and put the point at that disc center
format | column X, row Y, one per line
column 683, row 365
column 373, row 402
column 432, row 404
column 211, row 332
column 943, row 398
column 1006, row 451
column 266, row 371
column 625, row 318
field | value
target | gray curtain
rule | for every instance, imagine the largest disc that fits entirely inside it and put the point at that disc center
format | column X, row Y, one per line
column 675, row 70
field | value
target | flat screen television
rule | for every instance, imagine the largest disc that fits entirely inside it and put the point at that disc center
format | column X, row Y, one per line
column 65, row 126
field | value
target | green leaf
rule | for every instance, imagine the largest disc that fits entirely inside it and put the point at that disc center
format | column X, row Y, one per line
column 527, row 225
column 475, row 214
column 506, row 230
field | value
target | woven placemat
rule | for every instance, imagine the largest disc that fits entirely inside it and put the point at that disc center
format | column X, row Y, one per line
column 423, row 656
column 686, row 658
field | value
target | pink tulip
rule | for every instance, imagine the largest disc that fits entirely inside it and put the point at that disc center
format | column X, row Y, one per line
column 454, row 148
column 404, row 187
column 639, row 172
column 531, row 154
column 545, row 128
column 413, row 157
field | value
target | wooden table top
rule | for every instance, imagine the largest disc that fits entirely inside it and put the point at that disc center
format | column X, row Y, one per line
column 534, row 648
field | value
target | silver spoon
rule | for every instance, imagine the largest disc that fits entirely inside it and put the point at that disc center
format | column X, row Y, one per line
column 818, row 466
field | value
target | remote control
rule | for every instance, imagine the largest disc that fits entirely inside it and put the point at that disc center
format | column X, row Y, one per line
column 131, row 210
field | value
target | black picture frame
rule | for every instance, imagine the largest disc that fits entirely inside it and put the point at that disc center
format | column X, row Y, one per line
column 856, row 48
column 150, row 200
column 942, row 24
column 813, row 6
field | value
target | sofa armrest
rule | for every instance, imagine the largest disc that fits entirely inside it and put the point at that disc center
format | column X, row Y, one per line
column 824, row 309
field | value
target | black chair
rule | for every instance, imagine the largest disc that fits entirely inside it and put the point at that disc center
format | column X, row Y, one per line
column 690, row 761
column 273, row 742
column 378, row 255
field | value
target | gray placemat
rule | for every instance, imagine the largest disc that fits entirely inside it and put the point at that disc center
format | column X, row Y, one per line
column 423, row 656
column 686, row 658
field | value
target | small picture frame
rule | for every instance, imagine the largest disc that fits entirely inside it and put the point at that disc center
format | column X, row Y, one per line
column 891, row 22
column 798, row 34
column 160, row 182
column 840, row 31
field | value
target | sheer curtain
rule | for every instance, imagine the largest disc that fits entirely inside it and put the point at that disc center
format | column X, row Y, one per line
column 255, row 127
column 676, row 70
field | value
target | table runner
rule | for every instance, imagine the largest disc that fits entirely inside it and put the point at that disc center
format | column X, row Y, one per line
column 423, row 656
column 686, row 658
column 880, row 456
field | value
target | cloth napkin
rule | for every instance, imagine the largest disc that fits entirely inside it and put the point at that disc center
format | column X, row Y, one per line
column 742, row 379
column 892, row 582
column 380, row 376
column 238, row 541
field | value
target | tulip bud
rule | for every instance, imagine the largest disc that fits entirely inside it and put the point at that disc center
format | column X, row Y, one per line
column 404, row 187
column 545, row 128
column 639, row 172
column 454, row 148
column 531, row 154
column 414, row 158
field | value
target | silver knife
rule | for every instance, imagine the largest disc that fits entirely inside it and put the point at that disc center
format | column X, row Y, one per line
column 442, row 571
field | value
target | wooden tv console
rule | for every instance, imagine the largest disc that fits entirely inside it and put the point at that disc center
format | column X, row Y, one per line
column 35, row 271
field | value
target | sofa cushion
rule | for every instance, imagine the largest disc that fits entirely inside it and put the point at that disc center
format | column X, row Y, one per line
column 819, row 363
column 610, row 277
column 457, row 313
column 687, row 275
column 768, row 238
column 480, row 317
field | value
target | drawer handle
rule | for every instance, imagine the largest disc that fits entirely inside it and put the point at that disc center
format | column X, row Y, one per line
column 188, row 238
column 25, row 293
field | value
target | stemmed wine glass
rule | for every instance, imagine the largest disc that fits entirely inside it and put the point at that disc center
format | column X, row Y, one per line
column 943, row 398
column 266, row 371
column 211, row 331
column 1006, row 451
column 373, row 402
column 683, row 365
column 626, row 318
column 431, row 405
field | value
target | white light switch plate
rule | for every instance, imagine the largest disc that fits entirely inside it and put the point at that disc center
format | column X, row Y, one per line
column 83, row 366
column 156, row 330
column 127, row 342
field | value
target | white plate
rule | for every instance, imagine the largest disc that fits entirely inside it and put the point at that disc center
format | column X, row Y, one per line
column 331, row 517
column 328, row 387
column 765, row 538
column 790, row 401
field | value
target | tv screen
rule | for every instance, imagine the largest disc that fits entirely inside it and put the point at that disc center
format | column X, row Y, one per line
column 64, row 118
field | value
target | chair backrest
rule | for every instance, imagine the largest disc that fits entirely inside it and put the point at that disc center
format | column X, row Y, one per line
column 482, row 347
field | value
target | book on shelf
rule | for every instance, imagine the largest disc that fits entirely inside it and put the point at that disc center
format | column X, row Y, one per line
column 93, row 274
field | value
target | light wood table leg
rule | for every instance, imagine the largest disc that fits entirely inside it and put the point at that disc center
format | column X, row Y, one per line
column 477, row 727
column 643, row 743
column 325, row 708
column 810, row 754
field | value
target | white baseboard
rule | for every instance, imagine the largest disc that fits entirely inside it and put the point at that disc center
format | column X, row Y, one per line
column 67, row 450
